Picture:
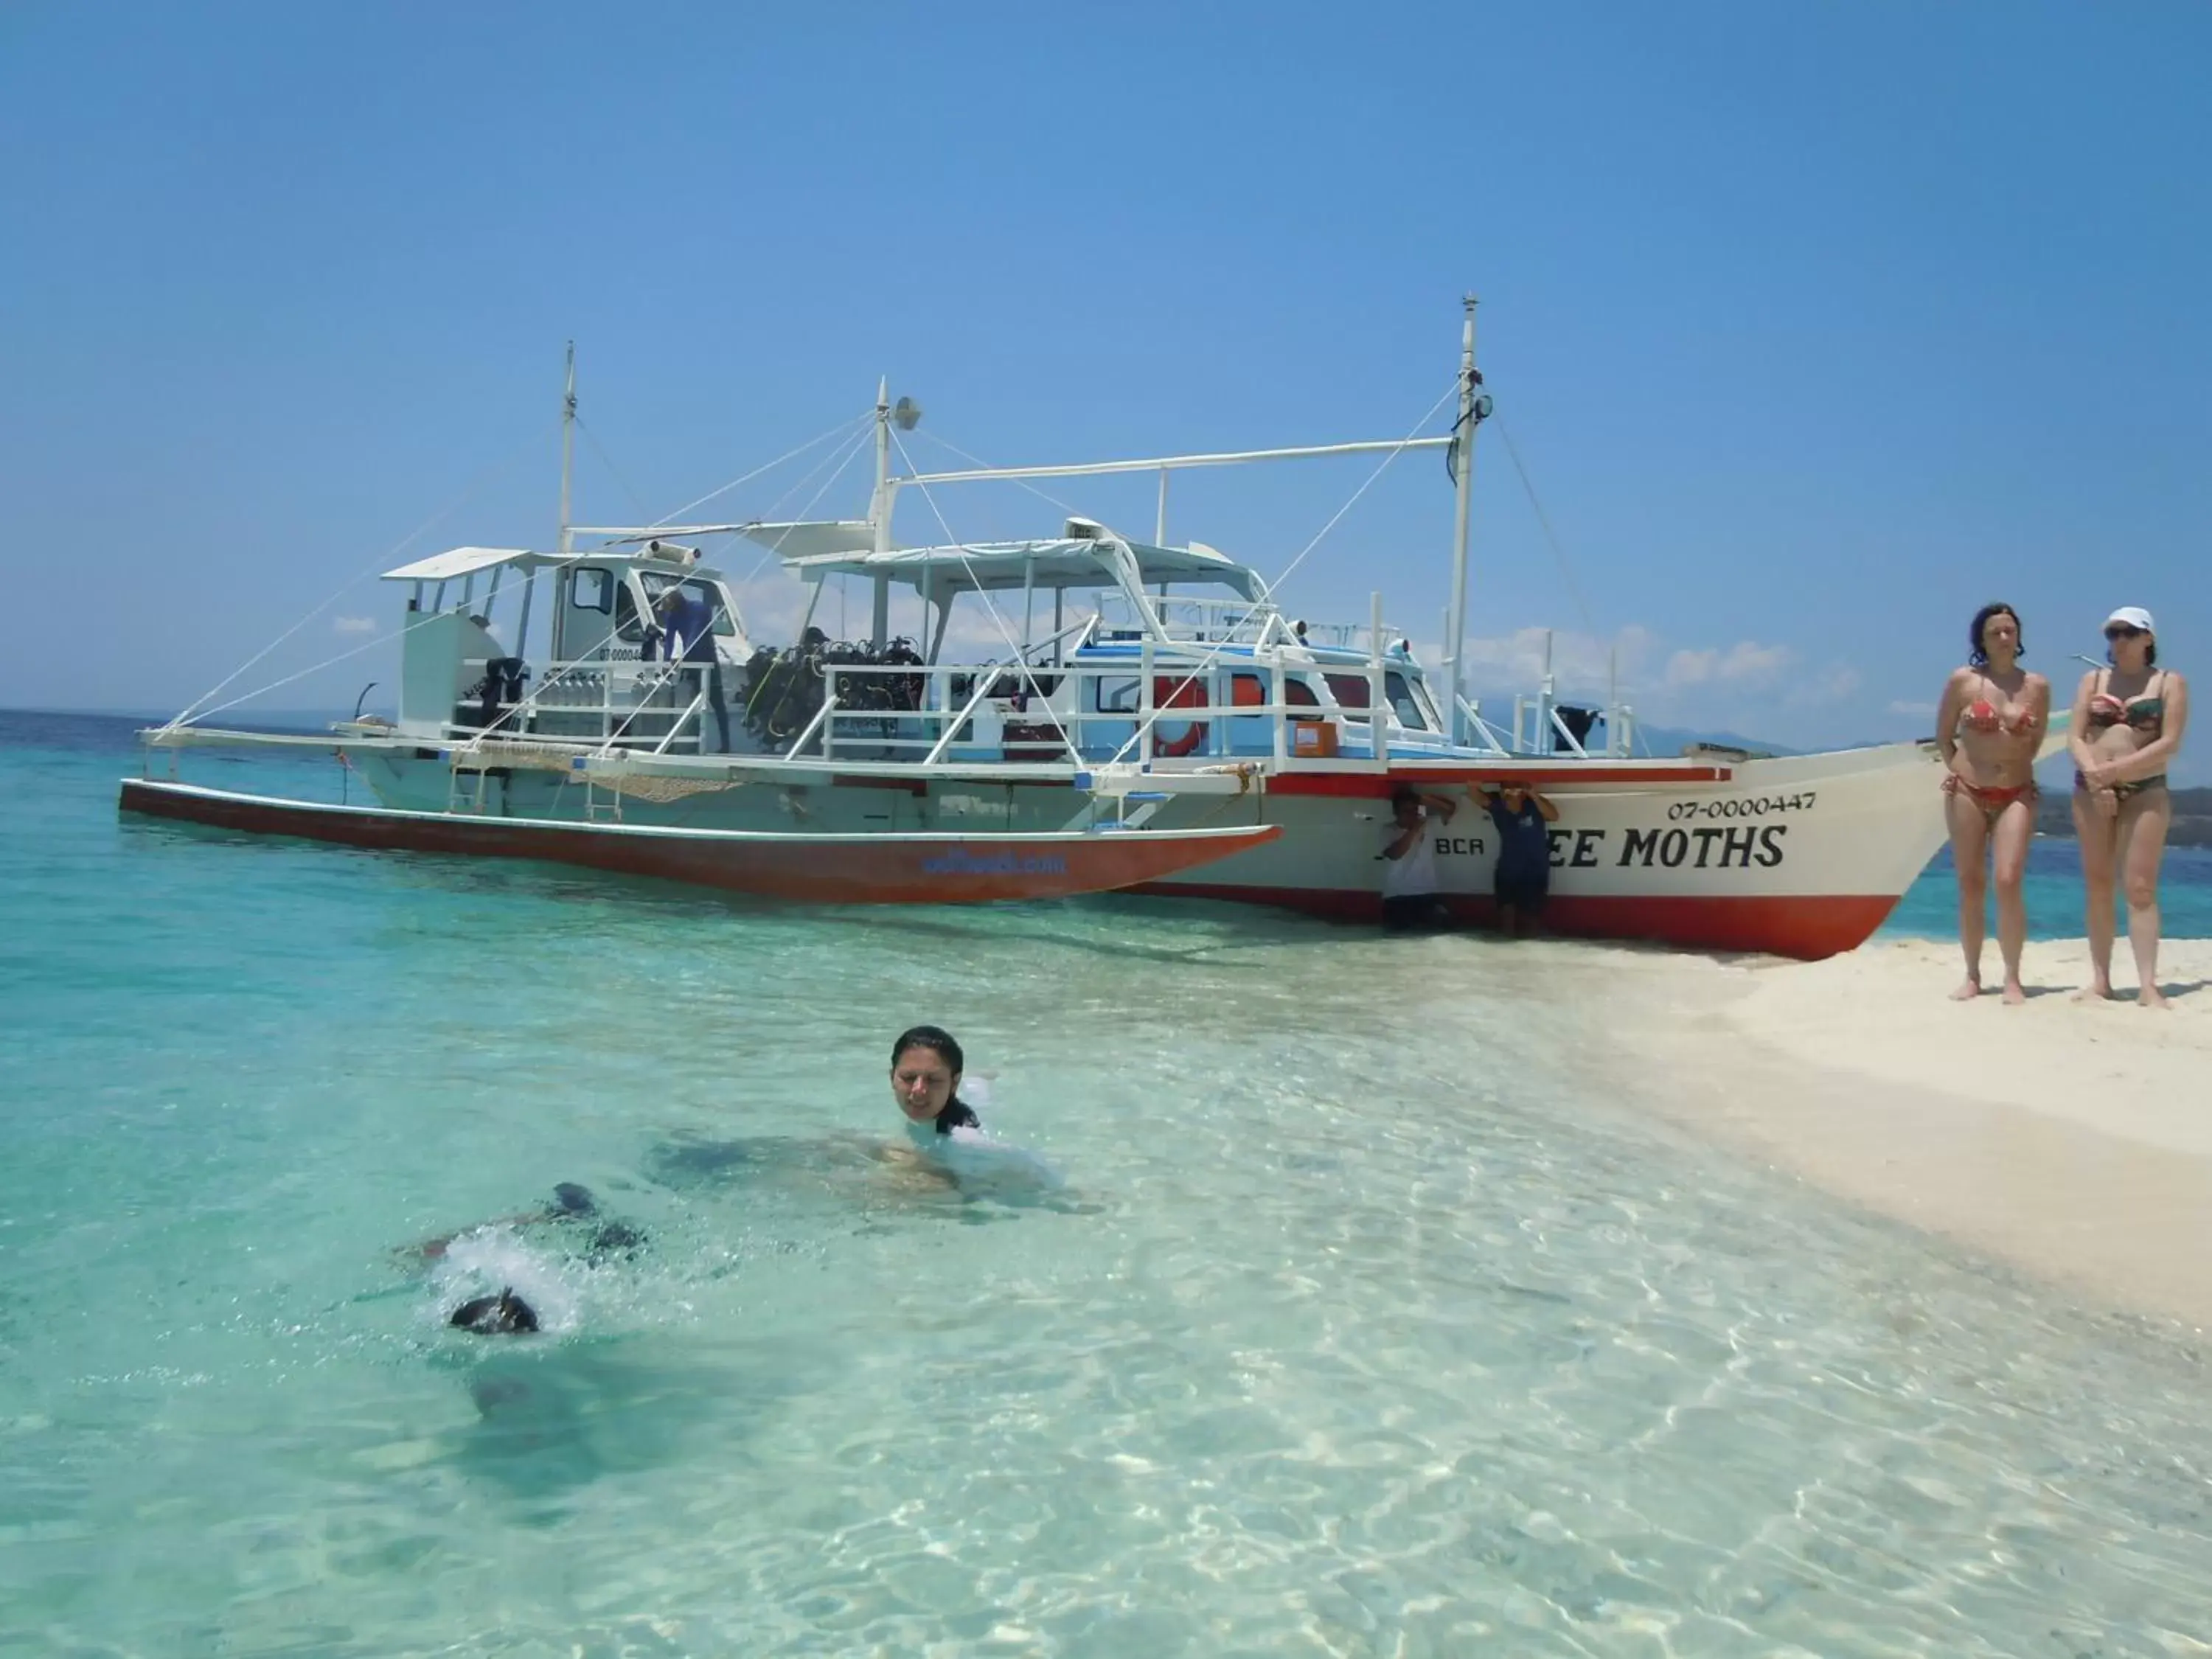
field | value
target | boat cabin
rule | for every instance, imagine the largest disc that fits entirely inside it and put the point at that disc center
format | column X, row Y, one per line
column 1156, row 634
column 599, row 674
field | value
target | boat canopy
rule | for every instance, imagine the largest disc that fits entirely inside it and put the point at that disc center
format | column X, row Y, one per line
column 940, row 573
column 458, row 562
column 815, row 538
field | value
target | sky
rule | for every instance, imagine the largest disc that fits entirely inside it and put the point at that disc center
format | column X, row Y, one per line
column 1811, row 328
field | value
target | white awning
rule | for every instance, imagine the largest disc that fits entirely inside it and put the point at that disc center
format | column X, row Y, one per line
column 460, row 561
column 817, row 539
column 941, row 572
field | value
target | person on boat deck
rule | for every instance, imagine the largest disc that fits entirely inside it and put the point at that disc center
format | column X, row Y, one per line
column 686, row 635
column 1523, row 818
column 1410, row 896
column 2128, row 721
column 1989, row 727
column 926, row 1066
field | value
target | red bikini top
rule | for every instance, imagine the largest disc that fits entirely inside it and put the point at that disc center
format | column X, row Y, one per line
column 1982, row 716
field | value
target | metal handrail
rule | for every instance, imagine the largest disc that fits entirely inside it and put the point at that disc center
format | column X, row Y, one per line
column 941, row 725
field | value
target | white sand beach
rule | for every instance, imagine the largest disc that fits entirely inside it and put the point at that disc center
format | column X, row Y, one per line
column 2074, row 1139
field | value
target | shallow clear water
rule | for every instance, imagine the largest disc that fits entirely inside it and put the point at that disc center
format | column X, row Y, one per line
column 2052, row 891
column 1360, row 1322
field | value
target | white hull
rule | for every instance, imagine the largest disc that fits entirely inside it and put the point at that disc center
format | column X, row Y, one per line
column 1803, row 856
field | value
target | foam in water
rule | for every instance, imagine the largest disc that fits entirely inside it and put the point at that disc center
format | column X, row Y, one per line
column 489, row 1259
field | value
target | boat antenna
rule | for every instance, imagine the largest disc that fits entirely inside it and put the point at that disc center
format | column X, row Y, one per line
column 567, row 448
column 1473, row 407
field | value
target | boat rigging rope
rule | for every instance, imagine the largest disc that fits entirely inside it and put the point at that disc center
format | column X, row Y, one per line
column 482, row 478
column 1544, row 519
column 864, row 422
column 529, row 705
column 1559, row 552
column 1268, row 592
column 1028, row 669
column 201, row 707
column 1023, row 483
column 844, row 458
column 608, row 461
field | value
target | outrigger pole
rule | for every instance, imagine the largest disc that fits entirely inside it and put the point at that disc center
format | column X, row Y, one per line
column 1172, row 463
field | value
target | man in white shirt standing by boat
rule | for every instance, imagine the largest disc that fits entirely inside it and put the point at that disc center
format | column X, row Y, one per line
column 1410, row 895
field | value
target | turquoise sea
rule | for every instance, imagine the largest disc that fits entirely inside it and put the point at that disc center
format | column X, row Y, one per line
column 2055, row 901
column 1353, row 1320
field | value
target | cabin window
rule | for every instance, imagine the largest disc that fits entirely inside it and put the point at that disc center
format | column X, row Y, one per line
column 627, row 626
column 592, row 588
column 1402, row 700
column 1298, row 693
column 1350, row 690
column 1117, row 697
column 1247, row 691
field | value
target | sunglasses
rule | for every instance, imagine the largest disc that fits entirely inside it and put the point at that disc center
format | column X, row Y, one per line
column 2122, row 632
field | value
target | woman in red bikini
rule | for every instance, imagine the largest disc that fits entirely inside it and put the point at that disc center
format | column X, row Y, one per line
column 1988, row 725
column 2128, row 721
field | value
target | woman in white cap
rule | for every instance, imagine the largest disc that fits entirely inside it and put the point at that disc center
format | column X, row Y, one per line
column 2128, row 721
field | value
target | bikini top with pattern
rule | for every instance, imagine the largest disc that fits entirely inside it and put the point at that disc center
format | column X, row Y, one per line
column 2146, row 714
column 1983, row 715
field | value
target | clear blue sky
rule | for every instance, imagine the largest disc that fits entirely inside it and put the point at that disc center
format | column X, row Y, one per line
column 1816, row 325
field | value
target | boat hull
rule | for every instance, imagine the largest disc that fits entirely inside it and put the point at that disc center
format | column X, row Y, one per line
column 831, row 869
column 1807, row 926
column 1802, row 856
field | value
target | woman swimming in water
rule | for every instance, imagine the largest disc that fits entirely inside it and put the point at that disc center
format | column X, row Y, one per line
column 926, row 1065
column 1989, row 727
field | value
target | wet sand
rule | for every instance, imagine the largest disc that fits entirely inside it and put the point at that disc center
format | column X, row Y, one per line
column 2072, row 1140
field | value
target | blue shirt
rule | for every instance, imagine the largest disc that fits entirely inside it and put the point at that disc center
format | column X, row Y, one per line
column 1524, row 841
column 691, row 621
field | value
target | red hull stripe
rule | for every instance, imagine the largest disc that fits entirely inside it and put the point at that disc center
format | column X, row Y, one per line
column 1371, row 784
column 916, row 869
column 1809, row 926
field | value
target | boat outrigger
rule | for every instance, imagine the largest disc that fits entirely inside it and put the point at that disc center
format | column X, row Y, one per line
column 1168, row 729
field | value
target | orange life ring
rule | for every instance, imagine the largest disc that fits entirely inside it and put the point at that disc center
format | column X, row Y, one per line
column 1186, row 693
column 1194, row 735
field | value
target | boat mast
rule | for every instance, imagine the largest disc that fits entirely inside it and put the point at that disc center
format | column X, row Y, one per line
column 879, row 514
column 879, row 504
column 567, row 448
column 1462, row 457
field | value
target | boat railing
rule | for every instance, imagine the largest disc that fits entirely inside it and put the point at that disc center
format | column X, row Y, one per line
column 1236, row 621
column 1145, row 709
column 1484, row 735
column 599, row 701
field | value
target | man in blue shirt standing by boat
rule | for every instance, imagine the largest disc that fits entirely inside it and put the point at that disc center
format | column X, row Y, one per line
column 1523, row 819
column 687, row 636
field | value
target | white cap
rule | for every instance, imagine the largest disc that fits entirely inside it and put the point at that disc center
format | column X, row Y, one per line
column 2131, row 616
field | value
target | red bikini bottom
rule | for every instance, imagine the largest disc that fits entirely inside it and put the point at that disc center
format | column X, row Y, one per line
column 1992, row 801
